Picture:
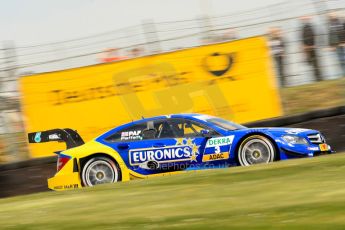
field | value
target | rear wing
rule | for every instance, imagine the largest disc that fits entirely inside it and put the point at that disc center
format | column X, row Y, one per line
column 69, row 136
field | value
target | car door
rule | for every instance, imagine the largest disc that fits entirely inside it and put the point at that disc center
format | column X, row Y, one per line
column 163, row 145
column 156, row 152
column 150, row 147
column 188, row 133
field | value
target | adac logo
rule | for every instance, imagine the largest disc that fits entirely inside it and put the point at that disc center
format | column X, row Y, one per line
column 218, row 64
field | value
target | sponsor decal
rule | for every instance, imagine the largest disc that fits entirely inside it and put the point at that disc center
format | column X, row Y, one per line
column 162, row 155
column 131, row 135
column 313, row 148
column 215, row 156
column 69, row 186
column 183, row 150
column 38, row 137
column 54, row 137
column 219, row 141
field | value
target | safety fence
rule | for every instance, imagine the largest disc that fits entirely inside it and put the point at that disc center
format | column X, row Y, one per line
column 156, row 37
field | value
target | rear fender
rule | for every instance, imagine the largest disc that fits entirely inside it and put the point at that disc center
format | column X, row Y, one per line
column 92, row 148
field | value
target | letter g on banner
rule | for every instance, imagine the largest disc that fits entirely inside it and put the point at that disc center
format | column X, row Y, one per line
column 171, row 95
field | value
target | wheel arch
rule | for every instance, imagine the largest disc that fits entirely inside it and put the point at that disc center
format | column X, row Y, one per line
column 277, row 156
column 94, row 148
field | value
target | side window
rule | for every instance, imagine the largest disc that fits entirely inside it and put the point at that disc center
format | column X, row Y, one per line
column 131, row 133
column 188, row 128
column 155, row 129
column 164, row 129
column 191, row 129
column 158, row 129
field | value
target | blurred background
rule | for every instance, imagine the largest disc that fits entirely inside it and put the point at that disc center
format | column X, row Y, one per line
column 306, row 40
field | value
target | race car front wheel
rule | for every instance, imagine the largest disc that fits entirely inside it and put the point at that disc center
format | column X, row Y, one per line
column 100, row 170
column 256, row 149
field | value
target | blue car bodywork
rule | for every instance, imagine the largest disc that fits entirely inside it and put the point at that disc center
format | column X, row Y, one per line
column 194, row 141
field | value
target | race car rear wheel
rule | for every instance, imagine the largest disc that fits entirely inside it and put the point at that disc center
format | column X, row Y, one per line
column 100, row 170
column 256, row 149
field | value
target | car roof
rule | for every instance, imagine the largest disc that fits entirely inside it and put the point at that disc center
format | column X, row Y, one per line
column 184, row 115
column 192, row 116
column 181, row 115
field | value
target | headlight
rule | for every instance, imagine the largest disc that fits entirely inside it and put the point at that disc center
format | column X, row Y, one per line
column 292, row 139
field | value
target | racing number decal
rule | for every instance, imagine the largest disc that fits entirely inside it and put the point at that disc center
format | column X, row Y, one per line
column 218, row 148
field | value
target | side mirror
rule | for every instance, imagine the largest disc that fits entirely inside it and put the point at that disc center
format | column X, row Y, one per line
column 205, row 133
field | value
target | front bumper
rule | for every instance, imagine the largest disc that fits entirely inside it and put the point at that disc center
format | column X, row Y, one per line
column 305, row 151
column 293, row 154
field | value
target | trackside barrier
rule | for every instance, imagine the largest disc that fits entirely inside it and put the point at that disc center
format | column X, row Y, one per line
column 298, row 118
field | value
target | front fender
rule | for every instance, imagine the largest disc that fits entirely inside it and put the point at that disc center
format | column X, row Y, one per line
column 243, row 134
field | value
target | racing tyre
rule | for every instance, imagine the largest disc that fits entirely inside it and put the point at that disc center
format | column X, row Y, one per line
column 256, row 149
column 100, row 170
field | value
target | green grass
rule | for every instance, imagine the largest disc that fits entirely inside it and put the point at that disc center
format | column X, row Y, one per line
column 320, row 95
column 295, row 194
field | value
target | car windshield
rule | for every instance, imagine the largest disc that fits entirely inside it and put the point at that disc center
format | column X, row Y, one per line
column 224, row 124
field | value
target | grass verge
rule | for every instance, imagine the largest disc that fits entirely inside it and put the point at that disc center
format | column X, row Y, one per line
column 294, row 194
column 320, row 95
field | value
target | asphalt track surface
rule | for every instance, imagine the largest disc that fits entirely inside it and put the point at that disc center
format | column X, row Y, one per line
column 31, row 177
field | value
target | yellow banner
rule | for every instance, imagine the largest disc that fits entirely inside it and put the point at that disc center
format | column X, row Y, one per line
column 233, row 80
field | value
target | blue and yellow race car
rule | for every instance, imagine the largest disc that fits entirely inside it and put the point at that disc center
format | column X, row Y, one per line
column 171, row 144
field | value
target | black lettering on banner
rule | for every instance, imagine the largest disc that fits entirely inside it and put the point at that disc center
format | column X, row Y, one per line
column 173, row 90
column 58, row 98
column 64, row 96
